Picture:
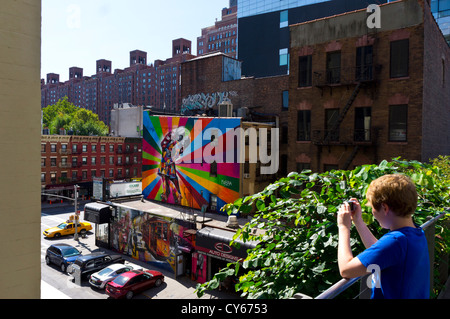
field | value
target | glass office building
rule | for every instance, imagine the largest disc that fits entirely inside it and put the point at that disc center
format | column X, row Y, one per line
column 248, row 8
column 441, row 12
column 263, row 29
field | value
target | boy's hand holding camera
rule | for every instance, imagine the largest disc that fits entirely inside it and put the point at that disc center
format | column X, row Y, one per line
column 349, row 211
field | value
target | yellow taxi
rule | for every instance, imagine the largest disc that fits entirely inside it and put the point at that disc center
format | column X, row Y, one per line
column 67, row 228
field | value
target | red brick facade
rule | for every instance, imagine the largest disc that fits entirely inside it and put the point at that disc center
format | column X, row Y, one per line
column 390, row 114
column 69, row 160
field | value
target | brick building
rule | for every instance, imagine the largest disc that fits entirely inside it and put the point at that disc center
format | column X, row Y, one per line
column 141, row 83
column 222, row 36
column 211, row 79
column 361, row 95
column 68, row 160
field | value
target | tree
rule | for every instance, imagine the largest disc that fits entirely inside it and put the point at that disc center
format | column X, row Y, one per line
column 298, row 249
column 66, row 115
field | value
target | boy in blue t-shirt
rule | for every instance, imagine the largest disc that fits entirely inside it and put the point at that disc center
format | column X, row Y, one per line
column 399, row 259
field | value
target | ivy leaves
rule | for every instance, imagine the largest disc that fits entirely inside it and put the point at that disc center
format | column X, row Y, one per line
column 296, row 219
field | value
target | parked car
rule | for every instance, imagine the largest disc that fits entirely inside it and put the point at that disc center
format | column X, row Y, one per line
column 62, row 255
column 67, row 228
column 90, row 263
column 133, row 282
column 101, row 278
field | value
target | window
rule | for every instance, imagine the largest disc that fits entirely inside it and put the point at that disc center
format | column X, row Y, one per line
column 398, row 117
column 283, row 165
column 53, row 161
column 284, row 134
column 111, row 147
column 330, row 167
column 84, row 148
column 213, row 202
column 284, row 57
column 364, row 63
column 399, row 58
column 304, row 125
column 285, row 100
column 333, row 67
column 213, row 169
column 42, row 161
column 284, row 22
column 94, row 148
column 304, row 71
column 42, row 148
column 332, row 117
column 303, row 166
column 53, row 148
column 363, row 118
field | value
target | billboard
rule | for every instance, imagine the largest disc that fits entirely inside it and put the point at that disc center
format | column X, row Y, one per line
column 125, row 189
column 190, row 161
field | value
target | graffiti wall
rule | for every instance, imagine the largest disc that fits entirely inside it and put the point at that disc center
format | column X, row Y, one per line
column 202, row 101
column 149, row 238
column 186, row 160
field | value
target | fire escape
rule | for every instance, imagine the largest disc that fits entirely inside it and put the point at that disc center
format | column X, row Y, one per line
column 354, row 79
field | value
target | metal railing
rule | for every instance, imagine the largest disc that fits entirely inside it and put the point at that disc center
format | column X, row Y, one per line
column 344, row 284
column 343, row 76
column 343, row 137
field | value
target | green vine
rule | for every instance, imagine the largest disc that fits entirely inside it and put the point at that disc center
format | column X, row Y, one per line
column 297, row 216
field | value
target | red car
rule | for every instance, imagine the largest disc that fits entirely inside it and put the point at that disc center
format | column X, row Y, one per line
column 133, row 282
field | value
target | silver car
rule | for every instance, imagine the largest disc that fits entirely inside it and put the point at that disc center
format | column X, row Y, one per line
column 101, row 278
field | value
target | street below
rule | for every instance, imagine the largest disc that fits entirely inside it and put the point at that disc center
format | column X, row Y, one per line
column 172, row 288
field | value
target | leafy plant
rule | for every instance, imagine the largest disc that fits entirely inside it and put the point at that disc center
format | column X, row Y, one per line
column 297, row 216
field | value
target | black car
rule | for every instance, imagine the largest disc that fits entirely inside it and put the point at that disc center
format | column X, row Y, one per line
column 90, row 263
column 62, row 255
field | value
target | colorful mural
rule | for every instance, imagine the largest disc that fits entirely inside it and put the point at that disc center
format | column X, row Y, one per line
column 150, row 238
column 186, row 160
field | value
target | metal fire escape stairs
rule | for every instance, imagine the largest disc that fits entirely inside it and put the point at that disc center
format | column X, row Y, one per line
column 337, row 124
column 342, row 114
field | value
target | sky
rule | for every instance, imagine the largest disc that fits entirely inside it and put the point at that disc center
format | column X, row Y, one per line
column 80, row 32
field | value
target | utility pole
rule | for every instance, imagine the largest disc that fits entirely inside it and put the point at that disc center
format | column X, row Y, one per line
column 76, row 211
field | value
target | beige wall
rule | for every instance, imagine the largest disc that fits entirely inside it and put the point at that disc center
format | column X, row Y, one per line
column 20, row 56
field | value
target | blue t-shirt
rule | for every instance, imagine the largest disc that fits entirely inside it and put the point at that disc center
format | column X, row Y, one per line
column 401, row 265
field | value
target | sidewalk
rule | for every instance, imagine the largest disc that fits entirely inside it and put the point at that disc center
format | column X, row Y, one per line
column 64, row 203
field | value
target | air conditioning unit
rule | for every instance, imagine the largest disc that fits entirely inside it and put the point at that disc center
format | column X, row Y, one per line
column 246, row 175
column 242, row 112
column 226, row 109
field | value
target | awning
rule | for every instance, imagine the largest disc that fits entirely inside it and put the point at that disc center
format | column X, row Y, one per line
column 97, row 213
column 215, row 242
